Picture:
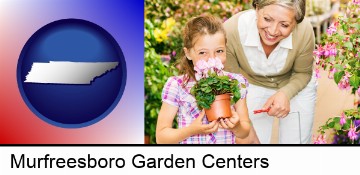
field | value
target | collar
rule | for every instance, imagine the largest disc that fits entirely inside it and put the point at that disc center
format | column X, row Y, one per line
column 253, row 38
column 286, row 42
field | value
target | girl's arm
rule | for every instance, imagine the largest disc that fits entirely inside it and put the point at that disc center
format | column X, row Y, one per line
column 166, row 134
column 242, row 130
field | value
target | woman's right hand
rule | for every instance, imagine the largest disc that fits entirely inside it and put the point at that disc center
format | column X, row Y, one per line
column 197, row 127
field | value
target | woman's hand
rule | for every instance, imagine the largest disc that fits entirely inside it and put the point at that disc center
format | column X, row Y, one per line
column 279, row 104
column 197, row 127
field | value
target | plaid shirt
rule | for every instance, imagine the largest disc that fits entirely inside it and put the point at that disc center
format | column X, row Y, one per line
column 174, row 94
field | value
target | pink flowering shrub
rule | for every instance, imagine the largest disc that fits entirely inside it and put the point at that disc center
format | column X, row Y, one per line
column 339, row 54
column 340, row 51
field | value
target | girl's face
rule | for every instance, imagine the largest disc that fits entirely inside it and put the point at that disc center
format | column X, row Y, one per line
column 274, row 23
column 207, row 46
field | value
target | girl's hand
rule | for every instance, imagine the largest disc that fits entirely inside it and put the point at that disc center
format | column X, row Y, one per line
column 230, row 123
column 280, row 105
column 199, row 128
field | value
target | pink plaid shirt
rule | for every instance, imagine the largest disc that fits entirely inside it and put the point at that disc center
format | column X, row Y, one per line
column 174, row 94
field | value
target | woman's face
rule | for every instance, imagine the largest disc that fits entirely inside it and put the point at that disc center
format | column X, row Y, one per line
column 207, row 46
column 274, row 23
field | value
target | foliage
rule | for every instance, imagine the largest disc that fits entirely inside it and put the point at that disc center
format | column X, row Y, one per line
column 211, row 81
column 339, row 54
column 340, row 51
column 346, row 128
column 156, row 73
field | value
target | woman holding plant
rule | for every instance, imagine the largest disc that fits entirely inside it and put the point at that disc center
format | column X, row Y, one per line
column 272, row 46
column 205, row 47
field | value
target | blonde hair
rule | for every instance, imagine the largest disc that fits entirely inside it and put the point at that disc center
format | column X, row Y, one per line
column 297, row 5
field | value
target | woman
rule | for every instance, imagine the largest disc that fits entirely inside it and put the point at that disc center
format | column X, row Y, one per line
column 272, row 46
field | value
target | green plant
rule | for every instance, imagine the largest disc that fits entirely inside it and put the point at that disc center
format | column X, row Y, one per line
column 345, row 127
column 156, row 73
column 339, row 55
column 211, row 81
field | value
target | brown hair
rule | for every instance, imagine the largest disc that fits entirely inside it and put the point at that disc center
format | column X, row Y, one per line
column 196, row 27
column 297, row 5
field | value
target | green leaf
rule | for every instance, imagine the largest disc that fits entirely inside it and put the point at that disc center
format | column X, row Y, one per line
column 337, row 126
column 357, row 26
column 354, row 81
column 338, row 76
column 331, row 124
column 346, row 126
column 336, row 119
column 339, row 67
column 349, row 45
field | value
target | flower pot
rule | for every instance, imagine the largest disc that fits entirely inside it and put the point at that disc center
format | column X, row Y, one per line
column 146, row 139
column 220, row 108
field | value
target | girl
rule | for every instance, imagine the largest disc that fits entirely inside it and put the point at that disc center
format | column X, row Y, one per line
column 204, row 38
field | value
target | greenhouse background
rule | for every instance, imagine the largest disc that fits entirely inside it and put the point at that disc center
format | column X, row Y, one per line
column 164, row 20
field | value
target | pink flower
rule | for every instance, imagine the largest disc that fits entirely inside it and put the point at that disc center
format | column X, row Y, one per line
column 165, row 57
column 319, row 51
column 342, row 119
column 352, row 133
column 330, row 50
column 331, row 73
column 356, row 2
column 358, row 91
column 344, row 82
column 201, row 69
column 320, row 139
column 211, row 63
column 331, row 30
column 218, row 65
column 317, row 73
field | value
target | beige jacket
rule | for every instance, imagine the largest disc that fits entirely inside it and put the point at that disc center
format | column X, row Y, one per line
column 297, row 70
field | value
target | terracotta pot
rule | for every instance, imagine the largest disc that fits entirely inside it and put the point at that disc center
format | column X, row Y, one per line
column 220, row 108
column 146, row 139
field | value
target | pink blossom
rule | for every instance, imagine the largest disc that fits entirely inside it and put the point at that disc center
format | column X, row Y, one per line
column 352, row 133
column 201, row 69
column 319, row 51
column 344, row 82
column 331, row 73
column 342, row 119
column 317, row 73
column 206, row 7
column 218, row 64
column 331, row 30
column 320, row 139
column 211, row 63
column 317, row 60
column 165, row 57
column 356, row 2
column 330, row 50
column 358, row 91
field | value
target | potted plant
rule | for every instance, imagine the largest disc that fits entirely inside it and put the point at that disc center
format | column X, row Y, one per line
column 214, row 91
column 339, row 54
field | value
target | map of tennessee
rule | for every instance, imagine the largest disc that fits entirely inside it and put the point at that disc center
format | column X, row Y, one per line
column 66, row 72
